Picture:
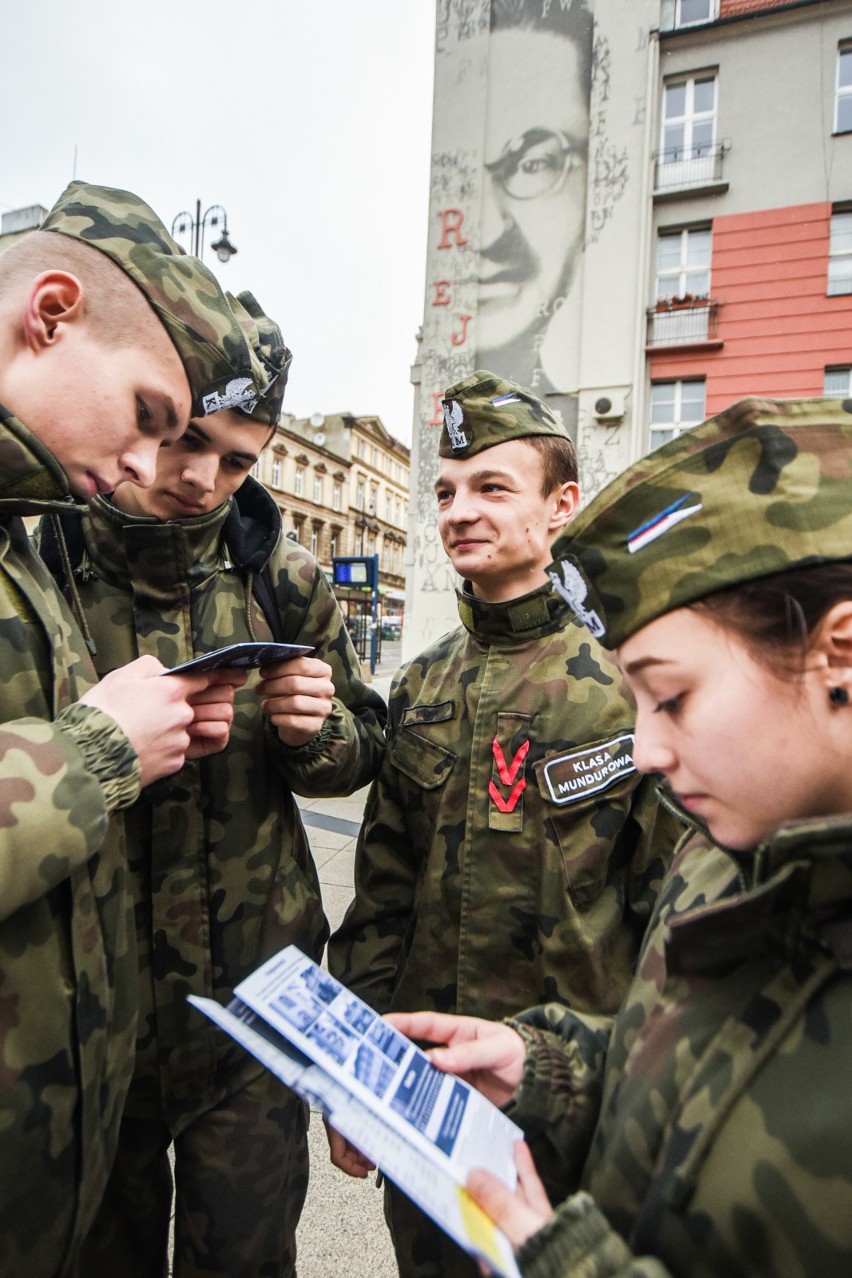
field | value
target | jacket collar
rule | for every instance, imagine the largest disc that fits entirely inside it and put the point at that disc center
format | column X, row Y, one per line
column 540, row 613
column 31, row 479
column 800, row 897
column 161, row 554
column 244, row 531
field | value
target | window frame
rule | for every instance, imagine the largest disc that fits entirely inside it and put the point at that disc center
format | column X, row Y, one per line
column 843, row 92
column 713, row 6
column 678, row 423
column 842, row 283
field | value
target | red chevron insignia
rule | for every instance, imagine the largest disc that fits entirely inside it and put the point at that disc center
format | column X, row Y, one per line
column 507, row 805
column 507, row 775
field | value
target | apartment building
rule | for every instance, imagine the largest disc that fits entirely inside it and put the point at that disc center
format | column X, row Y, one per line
column 640, row 208
column 341, row 483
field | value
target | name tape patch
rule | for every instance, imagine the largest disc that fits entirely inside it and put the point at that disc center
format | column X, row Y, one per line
column 574, row 776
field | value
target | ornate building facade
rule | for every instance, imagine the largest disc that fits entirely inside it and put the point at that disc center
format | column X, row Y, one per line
column 341, row 484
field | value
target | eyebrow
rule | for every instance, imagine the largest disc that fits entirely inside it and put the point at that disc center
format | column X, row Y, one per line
column 202, row 434
column 478, row 477
column 642, row 663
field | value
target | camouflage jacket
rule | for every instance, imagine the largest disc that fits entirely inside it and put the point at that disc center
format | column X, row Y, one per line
column 223, row 874
column 67, row 963
column 724, row 1128
column 508, row 854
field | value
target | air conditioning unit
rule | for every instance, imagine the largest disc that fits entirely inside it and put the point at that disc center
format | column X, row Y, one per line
column 610, row 406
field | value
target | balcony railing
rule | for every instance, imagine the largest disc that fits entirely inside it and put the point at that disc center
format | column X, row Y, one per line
column 683, row 168
column 681, row 321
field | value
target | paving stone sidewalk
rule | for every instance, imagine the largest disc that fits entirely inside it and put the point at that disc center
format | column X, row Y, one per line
column 342, row 1231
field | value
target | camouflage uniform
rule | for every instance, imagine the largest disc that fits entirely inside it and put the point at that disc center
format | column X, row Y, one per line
column 223, row 877
column 67, row 958
column 507, row 855
column 723, row 1140
column 719, row 1091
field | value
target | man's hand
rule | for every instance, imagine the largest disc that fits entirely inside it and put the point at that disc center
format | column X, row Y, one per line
column 346, row 1156
column 213, row 710
column 487, row 1054
column 155, row 714
column 297, row 696
column 520, row 1212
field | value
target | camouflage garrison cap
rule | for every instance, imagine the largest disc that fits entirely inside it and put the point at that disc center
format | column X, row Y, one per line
column 264, row 337
column 484, row 410
column 220, row 365
column 764, row 487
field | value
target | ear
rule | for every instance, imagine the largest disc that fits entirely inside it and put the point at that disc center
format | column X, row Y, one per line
column 53, row 298
column 831, row 646
column 565, row 499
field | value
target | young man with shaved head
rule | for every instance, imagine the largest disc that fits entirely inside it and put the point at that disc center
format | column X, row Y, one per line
column 110, row 337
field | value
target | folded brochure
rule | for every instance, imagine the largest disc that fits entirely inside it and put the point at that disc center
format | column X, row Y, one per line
column 425, row 1129
column 242, row 654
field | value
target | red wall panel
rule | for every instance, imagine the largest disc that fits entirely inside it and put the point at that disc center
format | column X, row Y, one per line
column 778, row 329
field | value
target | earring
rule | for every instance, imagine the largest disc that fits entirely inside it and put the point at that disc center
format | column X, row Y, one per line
column 838, row 696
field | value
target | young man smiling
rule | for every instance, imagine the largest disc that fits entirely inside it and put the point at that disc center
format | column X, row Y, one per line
column 496, row 868
column 222, row 870
column 110, row 336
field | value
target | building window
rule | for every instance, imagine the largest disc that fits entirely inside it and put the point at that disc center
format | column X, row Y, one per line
column 838, row 381
column 315, row 534
column 360, row 495
column 682, row 308
column 318, row 489
column 675, row 406
column 843, row 114
column 689, row 12
column 840, row 254
column 335, row 544
column 299, row 485
column 336, row 495
column 276, row 473
column 687, row 142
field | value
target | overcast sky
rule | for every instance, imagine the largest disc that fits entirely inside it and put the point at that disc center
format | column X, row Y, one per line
column 308, row 121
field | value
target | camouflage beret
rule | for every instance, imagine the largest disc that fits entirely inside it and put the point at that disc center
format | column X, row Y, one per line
column 764, row 487
column 484, row 410
column 264, row 337
column 220, row 365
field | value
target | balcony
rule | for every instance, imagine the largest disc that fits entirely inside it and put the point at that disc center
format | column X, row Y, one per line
column 690, row 170
column 683, row 321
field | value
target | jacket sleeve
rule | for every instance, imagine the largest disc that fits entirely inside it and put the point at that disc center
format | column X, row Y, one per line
column 59, row 782
column 557, row 1105
column 364, row 953
column 347, row 752
column 578, row 1240
column 558, row 1100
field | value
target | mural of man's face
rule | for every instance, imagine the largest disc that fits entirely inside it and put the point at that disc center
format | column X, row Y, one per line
column 534, row 186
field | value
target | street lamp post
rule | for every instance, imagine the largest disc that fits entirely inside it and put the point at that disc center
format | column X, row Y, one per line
column 223, row 248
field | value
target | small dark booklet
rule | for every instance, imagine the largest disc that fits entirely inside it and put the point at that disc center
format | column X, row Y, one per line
column 244, row 655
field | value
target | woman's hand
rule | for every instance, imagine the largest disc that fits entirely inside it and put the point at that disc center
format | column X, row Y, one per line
column 487, row 1054
column 519, row 1213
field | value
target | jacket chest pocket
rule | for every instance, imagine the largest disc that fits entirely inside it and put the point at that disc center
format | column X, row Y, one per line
column 423, row 761
column 587, row 793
